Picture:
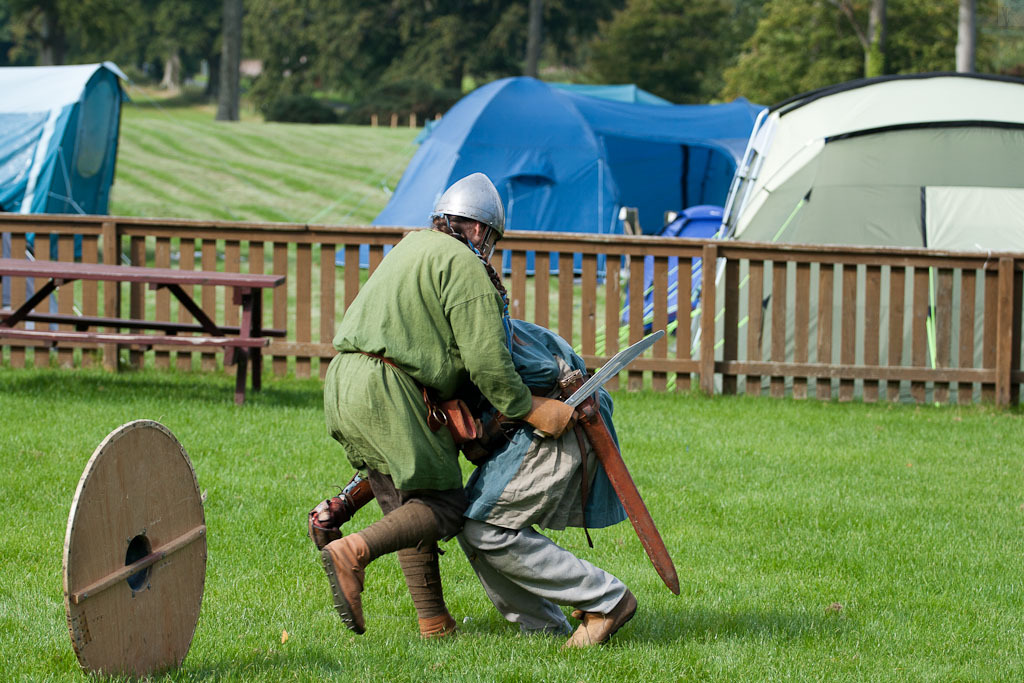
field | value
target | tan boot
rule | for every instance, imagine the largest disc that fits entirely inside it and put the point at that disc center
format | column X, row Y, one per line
column 345, row 562
column 441, row 626
column 598, row 628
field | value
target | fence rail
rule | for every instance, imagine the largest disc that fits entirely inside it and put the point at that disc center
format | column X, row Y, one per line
column 824, row 321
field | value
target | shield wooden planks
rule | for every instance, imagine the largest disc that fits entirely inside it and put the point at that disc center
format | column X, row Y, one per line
column 135, row 553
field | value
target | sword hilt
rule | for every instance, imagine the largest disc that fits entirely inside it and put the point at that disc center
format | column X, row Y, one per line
column 569, row 384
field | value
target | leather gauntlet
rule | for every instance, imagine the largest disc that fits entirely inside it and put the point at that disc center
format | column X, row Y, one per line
column 549, row 416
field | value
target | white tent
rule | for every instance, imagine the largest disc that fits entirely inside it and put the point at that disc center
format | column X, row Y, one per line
column 926, row 160
column 933, row 160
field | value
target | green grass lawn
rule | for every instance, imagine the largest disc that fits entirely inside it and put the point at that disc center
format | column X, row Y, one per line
column 175, row 161
column 813, row 541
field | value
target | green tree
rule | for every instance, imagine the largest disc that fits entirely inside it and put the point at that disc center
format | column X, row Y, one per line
column 872, row 37
column 800, row 45
column 353, row 47
column 172, row 38
column 1004, row 30
column 132, row 33
column 185, row 31
column 675, row 48
column 284, row 34
column 53, row 32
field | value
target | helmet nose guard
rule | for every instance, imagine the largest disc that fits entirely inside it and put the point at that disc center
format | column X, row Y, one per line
column 474, row 197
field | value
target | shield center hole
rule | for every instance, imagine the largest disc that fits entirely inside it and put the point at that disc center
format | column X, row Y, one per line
column 138, row 548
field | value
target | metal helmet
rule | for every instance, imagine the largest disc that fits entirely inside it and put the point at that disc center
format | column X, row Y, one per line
column 474, row 197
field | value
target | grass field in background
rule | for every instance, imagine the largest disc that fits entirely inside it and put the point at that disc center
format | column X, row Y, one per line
column 175, row 161
column 814, row 541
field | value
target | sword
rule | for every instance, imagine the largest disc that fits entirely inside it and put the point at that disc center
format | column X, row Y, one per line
column 608, row 455
column 613, row 367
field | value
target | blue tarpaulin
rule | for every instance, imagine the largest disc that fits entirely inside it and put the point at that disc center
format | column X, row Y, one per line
column 700, row 222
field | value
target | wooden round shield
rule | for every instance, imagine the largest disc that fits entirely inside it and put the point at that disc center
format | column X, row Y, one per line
column 135, row 554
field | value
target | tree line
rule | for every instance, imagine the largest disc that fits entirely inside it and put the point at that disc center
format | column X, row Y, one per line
column 421, row 56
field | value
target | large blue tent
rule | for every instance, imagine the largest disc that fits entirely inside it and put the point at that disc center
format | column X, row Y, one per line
column 58, row 137
column 568, row 161
column 59, row 128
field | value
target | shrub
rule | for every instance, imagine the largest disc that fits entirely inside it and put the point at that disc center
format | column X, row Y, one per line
column 299, row 109
column 404, row 98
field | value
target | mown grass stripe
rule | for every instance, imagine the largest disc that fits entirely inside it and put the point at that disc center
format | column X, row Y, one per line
column 146, row 190
column 281, row 172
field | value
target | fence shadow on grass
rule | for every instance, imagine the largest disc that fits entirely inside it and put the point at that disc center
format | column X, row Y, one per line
column 301, row 397
column 120, row 387
column 166, row 385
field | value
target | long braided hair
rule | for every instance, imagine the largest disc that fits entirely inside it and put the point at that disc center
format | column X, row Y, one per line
column 451, row 225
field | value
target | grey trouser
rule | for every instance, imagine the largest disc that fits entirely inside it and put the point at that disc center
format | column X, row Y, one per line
column 526, row 575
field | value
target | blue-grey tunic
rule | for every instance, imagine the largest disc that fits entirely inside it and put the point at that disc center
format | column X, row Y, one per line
column 535, row 481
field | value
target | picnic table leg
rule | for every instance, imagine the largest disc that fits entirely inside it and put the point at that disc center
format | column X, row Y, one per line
column 248, row 327
column 242, row 360
column 190, row 305
column 256, row 323
column 26, row 308
column 257, row 369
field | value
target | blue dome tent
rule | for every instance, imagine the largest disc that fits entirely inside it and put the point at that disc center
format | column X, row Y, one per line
column 567, row 159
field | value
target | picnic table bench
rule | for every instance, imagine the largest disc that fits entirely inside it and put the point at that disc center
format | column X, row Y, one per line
column 242, row 344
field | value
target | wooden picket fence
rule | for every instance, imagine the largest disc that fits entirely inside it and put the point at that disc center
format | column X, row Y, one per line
column 830, row 322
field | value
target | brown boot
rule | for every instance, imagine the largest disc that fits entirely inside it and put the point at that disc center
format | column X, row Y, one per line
column 440, row 626
column 598, row 628
column 423, row 577
column 345, row 562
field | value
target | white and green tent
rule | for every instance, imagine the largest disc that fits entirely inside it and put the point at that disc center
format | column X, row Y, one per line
column 924, row 160
column 933, row 160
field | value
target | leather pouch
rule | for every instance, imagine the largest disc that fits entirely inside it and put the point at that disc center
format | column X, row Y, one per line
column 459, row 420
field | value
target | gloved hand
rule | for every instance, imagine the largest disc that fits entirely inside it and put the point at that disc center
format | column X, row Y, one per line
column 549, row 416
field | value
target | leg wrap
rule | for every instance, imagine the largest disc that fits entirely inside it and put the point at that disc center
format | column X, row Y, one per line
column 407, row 526
column 423, row 577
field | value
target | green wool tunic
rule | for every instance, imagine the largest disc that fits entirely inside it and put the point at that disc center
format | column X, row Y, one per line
column 431, row 308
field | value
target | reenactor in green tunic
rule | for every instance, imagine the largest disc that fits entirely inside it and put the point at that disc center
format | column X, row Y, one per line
column 430, row 321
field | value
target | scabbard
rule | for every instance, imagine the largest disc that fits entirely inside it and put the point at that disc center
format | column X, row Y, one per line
column 610, row 458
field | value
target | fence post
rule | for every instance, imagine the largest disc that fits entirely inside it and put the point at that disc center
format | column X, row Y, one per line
column 709, row 264
column 1015, row 331
column 1004, row 330
column 111, row 290
column 730, row 326
column 137, row 291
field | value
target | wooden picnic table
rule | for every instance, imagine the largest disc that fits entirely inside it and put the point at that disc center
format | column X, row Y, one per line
column 242, row 344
